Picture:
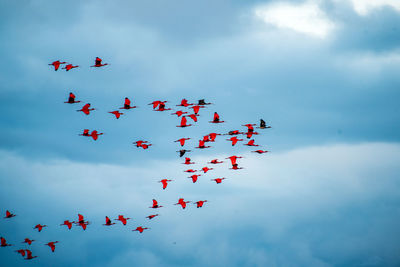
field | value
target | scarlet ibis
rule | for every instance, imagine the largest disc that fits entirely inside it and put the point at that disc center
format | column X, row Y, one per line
column 85, row 132
column 71, row 99
column 251, row 143
column 218, row 180
column 145, row 146
column 155, row 205
column 161, row 106
column 152, row 216
column 9, row 215
column 52, row 245
column 116, row 113
column 29, row 255
column 140, row 229
column 156, row 103
column 202, row 145
column 260, row 151
column 97, row 63
column 215, row 161
column 179, row 113
column 108, row 222
column 28, row 241
column 206, row 138
column 182, row 141
column 139, row 143
column 184, row 122
column 234, row 132
column 39, row 227
column 70, row 67
column 197, row 108
column 122, row 219
column 164, row 183
column 86, row 109
column 200, row 203
column 182, row 202
column 21, row 251
column 234, row 140
column 95, row 135
column 263, row 125
column 213, row 136
column 68, row 224
column 82, row 222
column 194, row 177
column 127, row 104
column 182, row 152
column 193, row 117
column 234, row 158
column 187, row 161
column 250, row 134
column 216, row 118
column 206, row 169
column 4, row 242
column 191, row 170
column 184, row 103
column 56, row 64
column 235, row 167
column 203, row 102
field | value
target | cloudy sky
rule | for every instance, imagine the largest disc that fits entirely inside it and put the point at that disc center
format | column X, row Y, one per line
column 323, row 73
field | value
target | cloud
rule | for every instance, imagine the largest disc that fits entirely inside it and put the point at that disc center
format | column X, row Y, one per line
column 306, row 18
column 365, row 7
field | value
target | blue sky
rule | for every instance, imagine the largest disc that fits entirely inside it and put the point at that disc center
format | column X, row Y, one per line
column 323, row 73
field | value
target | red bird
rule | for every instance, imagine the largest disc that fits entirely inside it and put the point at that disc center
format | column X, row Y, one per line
column 86, row 109
column 85, row 132
column 156, row 103
column 260, row 151
column 197, row 108
column 182, row 202
column 145, row 146
column 234, row 140
column 164, row 183
column 251, row 143
column 29, row 255
column 56, row 64
column 139, row 143
column 233, row 159
column 68, row 224
column 200, row 203
column 194, row 177
column 52, row 245
column 184, row 122
column 21, row 251
column 187, row 161
column 184, row 103
column 127, row 104
column 70, row 67
column 250, row 127
column 206, row 138
column 216, row 118
column 193, row 117
column 190, row 170
column 155, row 205
column 152, row 216
column 71, row 99
column 206, row 169
column 95, row 135
column 108, row 222
column 28, row 241
column 235, row 167
column 39, row 227
column 140, row 229
column 82, row 222
column 179, row 113
column 116, row 113
column 234, row 132
column 215, row 161
column 161, row 106
column 4, row 242
column 182, row 141
column 9, row 215
column 202, row 145
column 122, row 219
column 97, row 63
column 250, row 134
column 218, row 180
column 213, row 136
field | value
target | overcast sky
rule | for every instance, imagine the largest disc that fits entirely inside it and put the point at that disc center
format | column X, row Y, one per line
column 323, row 73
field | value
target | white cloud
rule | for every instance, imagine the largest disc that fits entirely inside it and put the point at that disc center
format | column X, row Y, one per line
column 364, row 7
column 305, row 18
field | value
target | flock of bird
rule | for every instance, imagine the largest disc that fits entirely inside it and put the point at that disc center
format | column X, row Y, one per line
column 156, row 106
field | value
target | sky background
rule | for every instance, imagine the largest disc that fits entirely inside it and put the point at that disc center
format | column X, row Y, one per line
column 323, row 73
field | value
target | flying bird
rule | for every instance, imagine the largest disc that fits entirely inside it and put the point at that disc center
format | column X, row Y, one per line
column 251, row 143
column 179, row 113
column 68, row 224
column 194, row 177
column 122, row 219
column 28, row 241
column 202, row 145
column 152, row 216
column 71, row 99
column 155, row 205
column 193, row 117
column 234, row 158
column 70, row 67
column 218, row 180
column 234, row 132
column 213, row 136
column 206, row 169
column 260, row 151
column 202, row 102
column 52, row 245
column 197, row 108
column 216, row 118
column 184, row 122
column 187, row 161
column 263, row 125
column 108, row 222
column 182, row 141
column 39, row 227
column 182, row 202
column 86, row 109
column 127, row 104
column 139, row 143
column 191, row 170
column 56, row 64
column 82, row 222
column 116, row 113
column 9, row 215
column 29, row 255
column 145, row 146
column 95, row 135
column 140, row 229
column 235, row 167
column 97, row 63
column 21, row 251
column 182, row 152
column 215, row 161
column 164, row 183
column 161, row 106
column 200, row 203
column 4, row 242
column 234, row 140
column 184, row 103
